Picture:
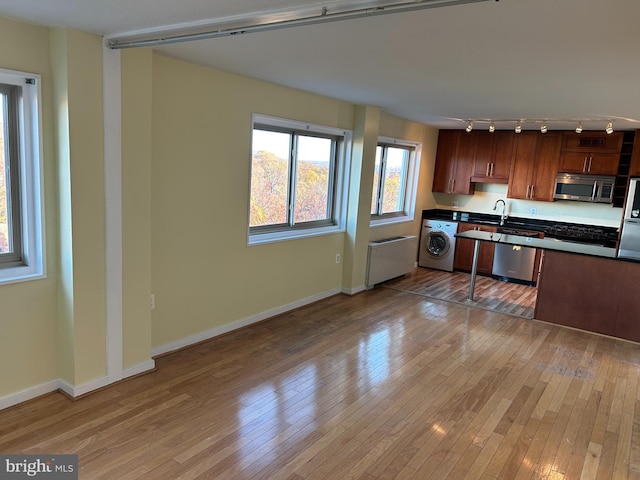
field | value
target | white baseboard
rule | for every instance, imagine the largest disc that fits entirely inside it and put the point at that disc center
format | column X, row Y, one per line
column 59, row 384
column 76, row 391
column 353, row 291
column 104, row 381
column 29, row 394
column 84, row 388
column 229, row 327
column 139, row 368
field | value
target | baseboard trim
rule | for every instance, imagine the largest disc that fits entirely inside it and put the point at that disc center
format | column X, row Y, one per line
column 140, row 368
column 28, row 394
column 229, row 327
column 78, row 391
column 354, row 291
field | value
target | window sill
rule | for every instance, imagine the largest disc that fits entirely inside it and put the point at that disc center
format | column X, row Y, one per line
column 262, row 238
column 20, row 274
column 379, row 222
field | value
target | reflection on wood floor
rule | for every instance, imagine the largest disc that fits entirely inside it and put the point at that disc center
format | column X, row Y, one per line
column 490, row 294
column 380, row 385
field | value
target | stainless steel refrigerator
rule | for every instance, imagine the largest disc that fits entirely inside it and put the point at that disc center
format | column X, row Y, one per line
column 630, row 236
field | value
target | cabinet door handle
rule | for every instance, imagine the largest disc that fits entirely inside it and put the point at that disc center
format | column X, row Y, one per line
column 491, row 169
column 528, row 189
column 488, row 173
column 584, row 165
column 453, row 185
column 590, row 160
column 533, row 189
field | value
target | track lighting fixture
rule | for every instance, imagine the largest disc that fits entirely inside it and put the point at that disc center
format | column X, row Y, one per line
column 560, row 124
column 609, row 128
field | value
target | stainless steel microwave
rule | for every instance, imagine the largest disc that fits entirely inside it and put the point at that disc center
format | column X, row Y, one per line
column 584, row 188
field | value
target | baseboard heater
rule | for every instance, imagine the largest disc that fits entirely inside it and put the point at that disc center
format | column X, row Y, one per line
column 390, row 258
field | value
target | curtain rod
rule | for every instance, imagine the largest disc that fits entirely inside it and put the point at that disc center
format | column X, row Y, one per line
column 323, row 17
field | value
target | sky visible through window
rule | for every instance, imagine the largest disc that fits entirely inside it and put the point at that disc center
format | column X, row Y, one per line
column 312, row 149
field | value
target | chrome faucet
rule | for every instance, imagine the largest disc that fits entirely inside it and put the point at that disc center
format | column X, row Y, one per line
column 504, row 215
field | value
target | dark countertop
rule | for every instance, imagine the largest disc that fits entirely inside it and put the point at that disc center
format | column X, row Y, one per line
column 543, row 243
column 536, row 225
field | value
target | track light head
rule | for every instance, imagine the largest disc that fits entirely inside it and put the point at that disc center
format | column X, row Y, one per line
column 609, row 128
column 492, row 128
column 518, row 128
column 579, row 128
column 469, row 127
column 543, row 128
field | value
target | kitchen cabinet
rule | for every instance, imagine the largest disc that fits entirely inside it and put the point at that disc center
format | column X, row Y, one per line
column 634, row 170
column 590, row 293
column 592, row 142
column 492, row 158
column 463, row 259
column 454, row 162
column 594, row 153
column 535, row 166
column 589, row 163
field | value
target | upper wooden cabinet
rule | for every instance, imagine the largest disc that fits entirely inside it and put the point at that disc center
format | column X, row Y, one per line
column 594, row 153
column 592, row 142
column 454, row 162
column 535, row 166
column 589, row 163
column 492, row 157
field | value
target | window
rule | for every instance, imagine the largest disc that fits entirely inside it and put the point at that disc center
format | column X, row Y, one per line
column 21, row 253
column 296, row 179
column 394, row 181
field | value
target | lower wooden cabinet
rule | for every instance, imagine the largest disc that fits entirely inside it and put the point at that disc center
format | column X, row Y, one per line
column 590, row 293
column 463, row 259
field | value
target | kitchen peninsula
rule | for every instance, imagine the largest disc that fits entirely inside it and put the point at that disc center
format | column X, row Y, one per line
column 580, row 286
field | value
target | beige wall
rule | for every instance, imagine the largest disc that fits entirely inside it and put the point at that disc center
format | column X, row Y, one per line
column 203, row 273
column 185, row 189
column 28, row 343
column 137, row 85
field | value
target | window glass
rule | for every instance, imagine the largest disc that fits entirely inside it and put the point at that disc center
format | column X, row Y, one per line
column 376, row 181
column 4, row 214
column 395, row 180
column 313, row 179
column 269, row 178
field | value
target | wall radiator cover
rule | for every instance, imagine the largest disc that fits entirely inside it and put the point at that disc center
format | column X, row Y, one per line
column 390, row 258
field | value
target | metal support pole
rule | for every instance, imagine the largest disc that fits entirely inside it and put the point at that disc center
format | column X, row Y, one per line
column 474, row 269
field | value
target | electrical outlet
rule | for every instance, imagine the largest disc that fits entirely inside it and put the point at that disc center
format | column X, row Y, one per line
column 337, row 258
column 534, row 211
column 152, row 301
column 454, row 204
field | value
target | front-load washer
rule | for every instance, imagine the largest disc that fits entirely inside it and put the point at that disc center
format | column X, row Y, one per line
column 437, row 244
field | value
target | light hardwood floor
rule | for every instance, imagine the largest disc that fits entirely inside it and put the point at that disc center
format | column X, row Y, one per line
column 382, row 385
column 495, row 295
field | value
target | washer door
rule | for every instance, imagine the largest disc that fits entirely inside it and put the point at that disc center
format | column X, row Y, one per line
column 437, row 244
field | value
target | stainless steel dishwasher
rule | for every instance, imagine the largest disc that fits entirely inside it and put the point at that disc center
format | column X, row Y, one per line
column 514, row 263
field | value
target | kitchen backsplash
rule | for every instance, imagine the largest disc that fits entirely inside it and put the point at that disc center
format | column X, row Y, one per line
column 563, row 211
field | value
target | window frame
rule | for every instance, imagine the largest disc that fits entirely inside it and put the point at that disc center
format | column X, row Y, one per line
column 410, row 184
column 337, row 188
column 12, row 172
column 28, row 263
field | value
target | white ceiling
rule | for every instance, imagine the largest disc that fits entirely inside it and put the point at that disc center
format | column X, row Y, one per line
column 508, row 60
